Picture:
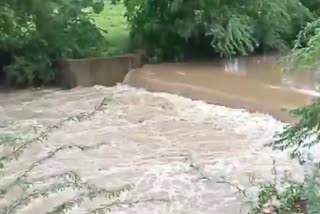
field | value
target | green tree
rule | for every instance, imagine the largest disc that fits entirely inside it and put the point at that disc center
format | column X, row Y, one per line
column 35, row 34
column 167, row 29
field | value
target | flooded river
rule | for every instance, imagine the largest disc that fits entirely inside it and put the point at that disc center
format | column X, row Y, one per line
column 253, row 83
column 172, row 151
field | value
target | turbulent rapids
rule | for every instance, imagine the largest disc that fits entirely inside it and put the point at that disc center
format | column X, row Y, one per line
column 175, row 154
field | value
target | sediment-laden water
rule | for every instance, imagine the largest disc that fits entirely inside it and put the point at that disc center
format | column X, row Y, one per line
column 172, row 151
column 254, row 83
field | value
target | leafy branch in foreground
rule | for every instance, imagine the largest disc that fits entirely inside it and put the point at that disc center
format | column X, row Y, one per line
column 70, row 180
column 281, row 196
column 91, row 194
column 306, row 52
column 300, row 139
column 50, row 155
column 107, row 207
column 304, row 134
column 42, row 187
column 294, row 198
column 43, row 136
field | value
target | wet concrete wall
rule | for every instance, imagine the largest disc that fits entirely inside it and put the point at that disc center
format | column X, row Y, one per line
column 106, row 71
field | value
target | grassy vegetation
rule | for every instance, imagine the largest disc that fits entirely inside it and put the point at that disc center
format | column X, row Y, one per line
column 112, row 20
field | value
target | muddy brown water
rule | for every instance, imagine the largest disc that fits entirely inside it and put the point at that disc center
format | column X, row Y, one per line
column 162, row 145
column 252, row 83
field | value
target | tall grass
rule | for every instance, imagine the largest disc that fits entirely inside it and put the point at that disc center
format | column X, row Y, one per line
column 113, row 22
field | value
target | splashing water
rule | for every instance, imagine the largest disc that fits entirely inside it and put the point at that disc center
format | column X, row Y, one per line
column 168, row 147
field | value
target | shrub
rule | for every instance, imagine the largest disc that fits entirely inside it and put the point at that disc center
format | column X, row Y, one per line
column 302, row 137
column 36, row 34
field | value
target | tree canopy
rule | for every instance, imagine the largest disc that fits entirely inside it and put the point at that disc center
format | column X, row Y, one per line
column 168, row 29
column 36, row 33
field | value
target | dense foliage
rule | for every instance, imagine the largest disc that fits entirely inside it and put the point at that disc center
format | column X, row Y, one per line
column 306, row 52
column 172, row 28
column 34, row 34
column 305, row 55
column 302, row 137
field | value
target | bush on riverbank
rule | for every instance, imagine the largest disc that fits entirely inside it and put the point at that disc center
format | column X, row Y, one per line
column 287, row 196
column 306, row 52
column 303, row 138
column 35, row 34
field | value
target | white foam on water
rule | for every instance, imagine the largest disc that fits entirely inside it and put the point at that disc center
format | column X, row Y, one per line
column 152, row 141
